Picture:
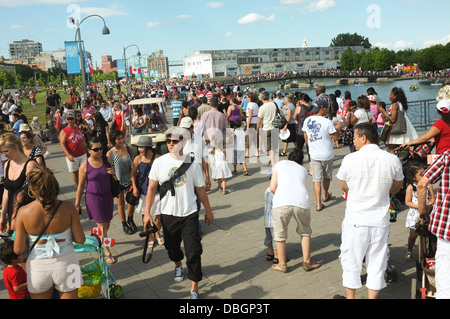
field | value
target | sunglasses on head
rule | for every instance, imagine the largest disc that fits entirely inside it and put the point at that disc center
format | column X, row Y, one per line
column 96, row 149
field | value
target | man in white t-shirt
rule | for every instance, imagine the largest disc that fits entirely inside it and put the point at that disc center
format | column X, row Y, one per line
column 319, row 134
column 368, row 177
column 291, row 199
column 179, row 212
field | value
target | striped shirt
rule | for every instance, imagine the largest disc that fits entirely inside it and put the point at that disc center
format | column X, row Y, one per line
column 439, row 217
column 176, row 107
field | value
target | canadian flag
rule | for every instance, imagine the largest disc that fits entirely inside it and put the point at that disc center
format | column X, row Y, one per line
column 97, row 231
column 108, row 242
column 134, row 70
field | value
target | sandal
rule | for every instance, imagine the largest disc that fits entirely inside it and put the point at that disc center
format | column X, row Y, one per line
column 160, row 241
column 310, row 266
column 280, row 268
column 283, row 154
column 151, row 244
column 234, row 172
column 225, row 192
column 408, row 256
column 246, row 173
column 269, row 257
column 110, row 259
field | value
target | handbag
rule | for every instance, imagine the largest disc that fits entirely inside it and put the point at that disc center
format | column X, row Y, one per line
column 385, row 132
column 399, row 126
column 279, row 121
column 27, row 253
column 129, row 197
column 116, row 188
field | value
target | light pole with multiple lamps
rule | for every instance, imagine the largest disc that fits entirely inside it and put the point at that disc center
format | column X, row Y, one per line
column 78, row 23
column 125, row 61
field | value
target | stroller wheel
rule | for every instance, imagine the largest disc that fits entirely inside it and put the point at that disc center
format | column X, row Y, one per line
column 115, row 291
column 391, row 274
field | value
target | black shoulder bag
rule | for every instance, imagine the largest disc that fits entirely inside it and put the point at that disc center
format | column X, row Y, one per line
column 169, row 185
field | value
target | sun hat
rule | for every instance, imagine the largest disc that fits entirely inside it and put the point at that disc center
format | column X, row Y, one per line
column 145, row 141
column 284, row 135
column 24, row 128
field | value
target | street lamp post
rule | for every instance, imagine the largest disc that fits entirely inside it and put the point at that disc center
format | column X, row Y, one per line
column 78, row 23
column 125, row 61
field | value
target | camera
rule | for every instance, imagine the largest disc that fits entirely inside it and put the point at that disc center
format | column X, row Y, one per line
column 148, row 230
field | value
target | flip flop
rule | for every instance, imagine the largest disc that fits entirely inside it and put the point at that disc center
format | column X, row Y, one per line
column 319, row 209
column 328, row 197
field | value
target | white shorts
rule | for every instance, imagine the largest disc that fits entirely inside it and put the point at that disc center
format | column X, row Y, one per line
column 62, row 271
column 75, row 165
column 442, row 269
column 360, row 242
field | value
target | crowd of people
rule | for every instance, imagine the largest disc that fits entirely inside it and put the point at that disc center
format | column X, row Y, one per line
column 215, row 128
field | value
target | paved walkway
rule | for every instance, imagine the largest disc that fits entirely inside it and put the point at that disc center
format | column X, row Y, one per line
column 234, row 264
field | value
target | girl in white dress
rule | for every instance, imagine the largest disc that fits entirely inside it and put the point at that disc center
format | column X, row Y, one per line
column 220, row 170
column 414, row 174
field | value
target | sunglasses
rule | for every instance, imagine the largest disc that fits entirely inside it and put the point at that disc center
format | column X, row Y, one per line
column 96, row 149
column 168, row 141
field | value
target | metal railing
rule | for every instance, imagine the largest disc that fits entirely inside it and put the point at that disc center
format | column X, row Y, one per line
column 422, row 114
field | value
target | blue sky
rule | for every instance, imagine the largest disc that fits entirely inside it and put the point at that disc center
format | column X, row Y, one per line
column 181, row 27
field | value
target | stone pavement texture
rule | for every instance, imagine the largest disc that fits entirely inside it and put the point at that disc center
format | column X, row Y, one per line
column 233, row 259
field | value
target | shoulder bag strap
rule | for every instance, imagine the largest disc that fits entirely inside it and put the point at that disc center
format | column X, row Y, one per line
column 46, row 226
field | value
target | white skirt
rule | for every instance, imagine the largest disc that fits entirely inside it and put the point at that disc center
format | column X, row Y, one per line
column 409, row 136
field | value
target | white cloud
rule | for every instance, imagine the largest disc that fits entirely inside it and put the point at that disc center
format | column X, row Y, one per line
column 184, row 16
column 113, row 10
column 321, row 5
column 402, row 44
column 292, row 1
column 444, row 40
column 253, row 18
column 23, row 3
column 228, row 34
column 214, row 4
column 18, row 27
column 152, row 24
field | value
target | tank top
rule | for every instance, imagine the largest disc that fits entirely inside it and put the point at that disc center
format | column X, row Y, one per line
column 14, row 187
column 235, row 114
column 74, row 141
column 122, row 168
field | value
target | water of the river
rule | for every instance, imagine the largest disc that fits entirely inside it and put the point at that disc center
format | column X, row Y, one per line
column 425, row 91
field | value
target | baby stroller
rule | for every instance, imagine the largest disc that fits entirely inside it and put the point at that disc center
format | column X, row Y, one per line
column 408, row 155
column 424, row 286
column 97, row 278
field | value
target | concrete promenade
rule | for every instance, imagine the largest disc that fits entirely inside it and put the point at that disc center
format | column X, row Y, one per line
column 233, row 259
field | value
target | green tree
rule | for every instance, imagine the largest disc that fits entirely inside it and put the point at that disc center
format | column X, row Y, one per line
column 350, row 40
column 348, row 60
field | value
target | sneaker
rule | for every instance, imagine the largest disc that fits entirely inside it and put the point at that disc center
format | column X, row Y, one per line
column 194, row 295
column 178, row 274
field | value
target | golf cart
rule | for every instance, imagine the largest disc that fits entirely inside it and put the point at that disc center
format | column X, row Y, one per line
column 156, row 123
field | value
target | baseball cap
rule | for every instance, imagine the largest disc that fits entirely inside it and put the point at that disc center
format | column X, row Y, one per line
column 186, row 122
column 318, row 104
column 70, row 115
column 443, row 106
